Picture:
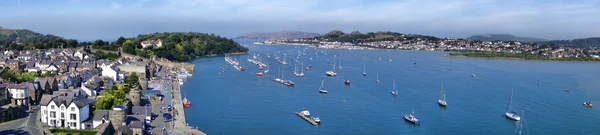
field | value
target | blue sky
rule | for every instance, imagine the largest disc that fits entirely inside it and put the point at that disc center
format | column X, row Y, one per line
column 109, row 19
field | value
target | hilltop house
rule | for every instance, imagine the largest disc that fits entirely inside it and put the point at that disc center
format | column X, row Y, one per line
column 155, row 43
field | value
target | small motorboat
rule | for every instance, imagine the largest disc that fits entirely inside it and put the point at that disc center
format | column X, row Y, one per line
column 259, row 74
column 260, row 68
column 412, row 118
column 567, row 90
column 587, row 104
column 316, row 119
column 472, row 75
column 347, row 82
column 330, row 73
column 289, row 83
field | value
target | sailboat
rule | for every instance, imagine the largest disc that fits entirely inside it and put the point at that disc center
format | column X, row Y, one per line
column 322, row 89
column 331, row 73
column 267, row 70
column 296, row 71
column 394, row 91
column 277, row 79
column 442, row 100
column 340, row 66
column 365, row 70
column 509, row 113
column 377, row 78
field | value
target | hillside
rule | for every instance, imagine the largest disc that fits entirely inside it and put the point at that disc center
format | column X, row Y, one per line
column 583, row 42
column 504, row 37
column 25, row 39
column 280, row 35
column 357, row 36
column 180, row 46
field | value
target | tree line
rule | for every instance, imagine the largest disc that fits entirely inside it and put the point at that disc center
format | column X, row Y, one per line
column 177, row 46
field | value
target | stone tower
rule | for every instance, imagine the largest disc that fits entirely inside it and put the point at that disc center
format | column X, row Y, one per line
column 135, row 97
column 117, row 117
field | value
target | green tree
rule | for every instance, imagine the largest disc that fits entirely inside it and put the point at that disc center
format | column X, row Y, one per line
column 120, row 41
column 132, row 80
column 128, row 47
column 105, row 102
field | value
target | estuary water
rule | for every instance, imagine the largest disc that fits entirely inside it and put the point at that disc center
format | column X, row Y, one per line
column 238, row 102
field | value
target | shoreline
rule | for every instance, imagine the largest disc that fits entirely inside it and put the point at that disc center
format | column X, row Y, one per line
column 520, row 59
column 181, row 122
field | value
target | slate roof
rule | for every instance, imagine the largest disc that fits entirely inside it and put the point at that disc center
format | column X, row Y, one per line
column 139, row 110
column 66, row 100
column 99, row 114
column 42, row 81
column 12, row 61
column 136, row 121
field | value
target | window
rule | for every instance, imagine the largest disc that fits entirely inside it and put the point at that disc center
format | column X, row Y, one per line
column 51, row 106
column 62, row 108
column 72, row 109
column 62, row 115
column 73, row 116
column 52, row 114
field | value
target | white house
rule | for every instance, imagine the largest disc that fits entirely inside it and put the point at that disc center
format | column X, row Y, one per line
column 89, row 89
column 51, row 68
column 64, row 110
column 110, row 71
column 80, row 54
column 155, row 43
column 19, row 93
column 100, row 117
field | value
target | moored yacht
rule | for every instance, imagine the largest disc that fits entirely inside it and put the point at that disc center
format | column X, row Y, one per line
column 412, row 118
column 322, row 88
column 394, row 91
column 442, row 100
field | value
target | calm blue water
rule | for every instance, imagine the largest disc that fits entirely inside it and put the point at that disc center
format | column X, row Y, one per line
column 241, row 103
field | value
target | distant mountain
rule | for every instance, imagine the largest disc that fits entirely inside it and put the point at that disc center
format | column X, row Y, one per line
column 26, row 39
column 504, row 37
column 280, row 35
column 582, row 42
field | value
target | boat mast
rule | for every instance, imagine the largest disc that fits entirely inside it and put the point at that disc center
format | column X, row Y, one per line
column 394, row 85
column 302, row 67
column 322, row 81
column 509, row 101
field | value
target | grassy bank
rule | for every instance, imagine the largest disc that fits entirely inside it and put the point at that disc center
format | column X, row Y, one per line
column 519, row 56
column 57, row 131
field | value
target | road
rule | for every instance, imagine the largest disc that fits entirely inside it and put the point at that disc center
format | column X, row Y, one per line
column 26, row 125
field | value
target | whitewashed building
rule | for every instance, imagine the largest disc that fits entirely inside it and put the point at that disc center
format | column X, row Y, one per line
column 65, row 110
column 111, row 71
column 19, row 93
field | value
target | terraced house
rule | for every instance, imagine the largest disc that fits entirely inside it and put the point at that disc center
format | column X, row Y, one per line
column 65, row 110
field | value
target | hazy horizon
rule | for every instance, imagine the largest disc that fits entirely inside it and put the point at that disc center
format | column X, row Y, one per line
column 88, row 20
